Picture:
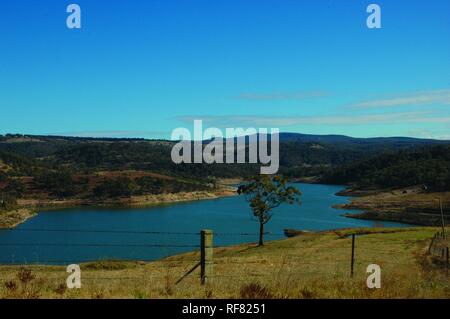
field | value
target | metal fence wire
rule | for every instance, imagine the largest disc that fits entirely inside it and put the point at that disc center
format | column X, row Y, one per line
column 203, row 260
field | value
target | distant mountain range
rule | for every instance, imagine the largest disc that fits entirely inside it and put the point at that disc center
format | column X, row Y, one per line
column 293, row 145
column 307, row 138
column 284, row 137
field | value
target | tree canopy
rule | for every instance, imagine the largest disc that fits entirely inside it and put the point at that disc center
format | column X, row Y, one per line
column 265, row 193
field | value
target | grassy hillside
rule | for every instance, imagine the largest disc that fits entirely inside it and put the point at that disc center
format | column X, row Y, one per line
column 316, row 265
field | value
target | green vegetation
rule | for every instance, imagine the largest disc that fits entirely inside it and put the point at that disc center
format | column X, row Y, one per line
column 151, row 185
column 7, row 202
column 97, row 171
column 119, row 187
column 428, row 166
column 266, row 193
column 58, row 183
column 46, row 169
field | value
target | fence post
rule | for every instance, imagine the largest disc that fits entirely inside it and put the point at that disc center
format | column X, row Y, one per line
column 442, row 218
column 431, row 244
column 446, row 263
column 353, row 255
column 206, row 255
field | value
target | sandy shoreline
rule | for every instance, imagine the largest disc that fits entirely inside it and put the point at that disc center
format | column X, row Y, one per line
column 28, row 207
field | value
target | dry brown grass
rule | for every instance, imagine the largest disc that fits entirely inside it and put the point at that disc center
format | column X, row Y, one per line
column 15, row 217
column 316, row 265
column 401, row 199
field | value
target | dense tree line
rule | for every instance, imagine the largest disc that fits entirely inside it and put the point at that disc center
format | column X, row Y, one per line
column 92, row 154
column 7, row 202
column 119, row 187
column 59, row 183
column 126, row 187
column 21, row 165
column 145, row 156
column 428, row 166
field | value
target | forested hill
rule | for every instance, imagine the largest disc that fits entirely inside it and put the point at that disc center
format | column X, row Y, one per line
column 427, row 166
column 295, row 147
column 382, row 142
column 300, row 154
column 60, row 166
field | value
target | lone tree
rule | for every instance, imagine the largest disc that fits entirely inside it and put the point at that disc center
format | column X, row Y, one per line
column 264, row 193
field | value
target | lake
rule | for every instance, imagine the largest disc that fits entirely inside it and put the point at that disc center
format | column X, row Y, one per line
column 86, row 234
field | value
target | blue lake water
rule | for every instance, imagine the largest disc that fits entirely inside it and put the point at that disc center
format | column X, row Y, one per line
column 85, row 234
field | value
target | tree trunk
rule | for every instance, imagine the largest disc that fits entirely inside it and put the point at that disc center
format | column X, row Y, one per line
column 261, row 234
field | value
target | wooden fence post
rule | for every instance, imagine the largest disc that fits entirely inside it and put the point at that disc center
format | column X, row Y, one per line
column 442, row 218
column 353, row 255
column 431, row 244
column 206, row 255
column 446, row 263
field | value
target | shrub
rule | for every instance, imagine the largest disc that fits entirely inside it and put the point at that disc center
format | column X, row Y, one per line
column 255, row 291
column 25, row 276
column 11, row 285
column 7, row 202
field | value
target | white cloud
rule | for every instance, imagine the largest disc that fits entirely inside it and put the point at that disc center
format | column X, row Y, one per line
column 281, row 95
column 283, row 121
column 417, row 98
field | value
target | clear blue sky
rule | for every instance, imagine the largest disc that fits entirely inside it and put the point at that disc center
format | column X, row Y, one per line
column 143, row 68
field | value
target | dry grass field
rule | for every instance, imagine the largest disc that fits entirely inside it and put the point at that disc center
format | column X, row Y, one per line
column 315, row 265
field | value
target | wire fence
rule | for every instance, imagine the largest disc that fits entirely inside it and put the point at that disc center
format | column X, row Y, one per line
column 439, row 249
column 345, row 258
column 71, row 230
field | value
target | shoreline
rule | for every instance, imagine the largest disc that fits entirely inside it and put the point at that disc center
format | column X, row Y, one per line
column 29, row 208
column 375, row 205
column 409, row 205
column 13, row 218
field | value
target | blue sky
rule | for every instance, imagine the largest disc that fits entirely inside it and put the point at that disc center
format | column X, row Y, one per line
column 143, row 68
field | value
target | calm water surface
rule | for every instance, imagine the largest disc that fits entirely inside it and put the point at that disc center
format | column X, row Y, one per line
column 84, row 234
